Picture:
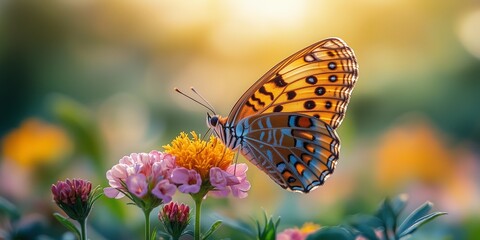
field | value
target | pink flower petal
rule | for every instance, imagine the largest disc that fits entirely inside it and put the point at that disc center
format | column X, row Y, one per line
column 189, row 180
column 240, row 190
column 164, row 190
column 112, row 193
column 137, row 185
column 217, row 178
column 180, row 175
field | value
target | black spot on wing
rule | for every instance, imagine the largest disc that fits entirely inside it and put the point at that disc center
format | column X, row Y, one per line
column 279, row 82
column 252, row 106
column 257, row 100
column 264, row 91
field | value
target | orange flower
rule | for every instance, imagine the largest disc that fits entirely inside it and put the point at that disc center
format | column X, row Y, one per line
column 414, row 151
column 35, row 143
column 199, row 155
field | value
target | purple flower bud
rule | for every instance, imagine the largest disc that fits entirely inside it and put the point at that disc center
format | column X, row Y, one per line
column 175, row 218
column 75, row 197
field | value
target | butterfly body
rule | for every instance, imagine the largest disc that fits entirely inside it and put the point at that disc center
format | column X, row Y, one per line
column 285, row 123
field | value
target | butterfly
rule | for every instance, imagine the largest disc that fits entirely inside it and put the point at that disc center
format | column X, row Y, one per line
column 285, row 122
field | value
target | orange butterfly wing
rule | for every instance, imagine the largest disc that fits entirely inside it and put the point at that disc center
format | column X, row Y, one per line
column 316, row 81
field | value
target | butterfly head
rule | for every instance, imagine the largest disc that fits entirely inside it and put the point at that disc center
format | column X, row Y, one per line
column 212, row 121
column 217, row 124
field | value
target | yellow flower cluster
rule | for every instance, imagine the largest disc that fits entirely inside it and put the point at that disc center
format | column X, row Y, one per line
column 199, row 155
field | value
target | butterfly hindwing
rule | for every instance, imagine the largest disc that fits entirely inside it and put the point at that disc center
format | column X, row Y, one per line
column 296, row 150
column 316, row 81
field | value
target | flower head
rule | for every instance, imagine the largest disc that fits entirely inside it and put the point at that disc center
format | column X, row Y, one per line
column 175, row 218
column 143, row 177
column 75, row 197
column 204, row 167
column 196, row 154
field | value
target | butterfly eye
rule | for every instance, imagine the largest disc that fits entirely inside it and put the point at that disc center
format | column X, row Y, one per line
column 213, row 121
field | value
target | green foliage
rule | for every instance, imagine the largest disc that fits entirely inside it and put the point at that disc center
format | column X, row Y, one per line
column 212, row 229
column 269, row 229
column 9, row 209
column 332, row 233
column 385, row 224
column 66, row 223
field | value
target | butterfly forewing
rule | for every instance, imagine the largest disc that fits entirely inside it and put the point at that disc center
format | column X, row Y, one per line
column 316, row 81
column 295, row 150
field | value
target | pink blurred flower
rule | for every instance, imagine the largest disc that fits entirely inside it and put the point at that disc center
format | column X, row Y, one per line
column 189, row 180
column 164, row 190
column 137, row 173
column 291, row 234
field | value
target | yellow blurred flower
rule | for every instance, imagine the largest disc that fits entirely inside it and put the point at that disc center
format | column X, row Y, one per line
column 414, row 152
column 309, row 227
column 199, row 155
column 35, row 143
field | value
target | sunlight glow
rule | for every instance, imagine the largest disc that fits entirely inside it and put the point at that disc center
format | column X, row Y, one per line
column 469, row 34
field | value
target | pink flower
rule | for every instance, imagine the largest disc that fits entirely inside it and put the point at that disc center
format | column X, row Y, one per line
column 234, row 179
column 221, row 180
column 189, row 180
column 137, row 185
column 164, row 190
column 137, row 173
column 291, row 234
column 240, row 171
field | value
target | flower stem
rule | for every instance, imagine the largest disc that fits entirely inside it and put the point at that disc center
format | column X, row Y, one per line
column 147, row 223
column 198, row 208
column 83, row 229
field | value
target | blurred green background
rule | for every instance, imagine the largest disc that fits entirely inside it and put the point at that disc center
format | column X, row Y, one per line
column 83, row 83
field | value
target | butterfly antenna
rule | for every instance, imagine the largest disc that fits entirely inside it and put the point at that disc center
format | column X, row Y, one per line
column 207, row 106
column 203, row 139
column 207, row 133
column 204, row 99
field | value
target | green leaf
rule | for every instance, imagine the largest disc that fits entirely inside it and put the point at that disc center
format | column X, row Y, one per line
column 154, row 234
column 9, row 208
column 212, row 229
column 388, row 216
column 365, row 225
column 238, row 225
column 419, row 222
column 269, row 231
column 331, row 233
column 366, row 220
column 399, row 203
column 69, row 225
column 367, row 232
column 79, row 121
column 414, row 216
